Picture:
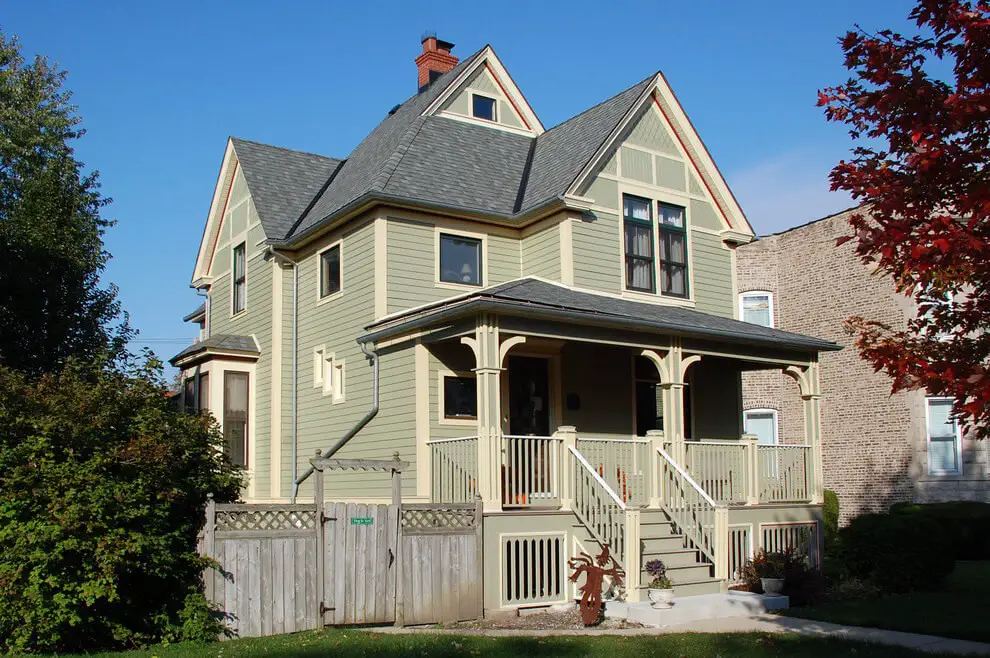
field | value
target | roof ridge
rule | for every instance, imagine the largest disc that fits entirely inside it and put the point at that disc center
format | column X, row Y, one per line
column 596, row 105
column 390, row 166
column 285, row 148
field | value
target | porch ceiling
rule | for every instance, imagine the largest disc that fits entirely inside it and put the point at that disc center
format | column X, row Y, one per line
column 535, row 298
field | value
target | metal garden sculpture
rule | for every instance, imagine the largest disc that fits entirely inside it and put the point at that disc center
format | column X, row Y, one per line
column 595, row 570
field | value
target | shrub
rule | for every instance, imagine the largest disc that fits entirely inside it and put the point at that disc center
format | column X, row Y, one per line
column 966, row 523
column 802, row 584
column 102, row 490
column 830, row 512
column 897, row 552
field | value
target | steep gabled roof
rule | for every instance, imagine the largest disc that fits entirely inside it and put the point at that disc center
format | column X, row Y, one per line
column 282, row 181
column 369, row 167
column 563, row 151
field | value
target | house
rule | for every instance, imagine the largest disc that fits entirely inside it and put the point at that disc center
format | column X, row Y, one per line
column 878, row 448
column 542, row 318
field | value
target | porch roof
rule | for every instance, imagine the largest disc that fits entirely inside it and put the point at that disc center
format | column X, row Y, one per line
column 244, row 346
column 538, row 298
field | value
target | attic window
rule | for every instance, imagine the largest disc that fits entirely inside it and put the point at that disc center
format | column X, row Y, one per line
column 483, row 107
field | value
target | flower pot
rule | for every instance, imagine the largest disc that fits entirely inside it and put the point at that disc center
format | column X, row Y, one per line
column 772, row 585
column 661, row 599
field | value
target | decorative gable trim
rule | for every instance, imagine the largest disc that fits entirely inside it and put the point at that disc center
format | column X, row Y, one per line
column 214, row 220
column 701, row 165
column 490, row 61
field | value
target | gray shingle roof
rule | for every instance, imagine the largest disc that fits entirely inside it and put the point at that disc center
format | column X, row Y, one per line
column 535, row 295
column 201, row 311
column 224, row 342
column 282, row 181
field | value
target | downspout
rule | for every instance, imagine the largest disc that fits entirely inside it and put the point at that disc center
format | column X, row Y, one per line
column 329, row 452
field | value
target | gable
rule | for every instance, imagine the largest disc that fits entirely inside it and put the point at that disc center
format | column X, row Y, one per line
column 656, row 146
column 487, row 77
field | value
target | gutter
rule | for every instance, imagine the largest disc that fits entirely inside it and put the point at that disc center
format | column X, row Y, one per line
column 490, row 304
column 329, row 452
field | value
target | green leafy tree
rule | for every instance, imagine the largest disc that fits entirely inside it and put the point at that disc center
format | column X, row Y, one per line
column 102, row 491
column 52, row 305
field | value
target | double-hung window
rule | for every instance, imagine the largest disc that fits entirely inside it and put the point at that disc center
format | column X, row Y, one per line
column 240, row 279
column 638, row 229
column 330, row 271
column 460, row 259
column 235, row 416
column 756, row 307
column 673, row 250
column 944, row 456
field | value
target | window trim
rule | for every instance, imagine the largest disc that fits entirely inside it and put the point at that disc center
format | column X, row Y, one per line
column 755, row 293
column 471, row 96
column 438, row 233
column 776, row 422
column 235, row 280
column 248, row 461
column 651, row 222
column 442, row 417
column 320, row 297
column 957, row 442
column 683, row 230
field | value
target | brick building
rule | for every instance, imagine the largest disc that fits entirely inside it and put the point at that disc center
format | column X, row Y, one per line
column 878, row 448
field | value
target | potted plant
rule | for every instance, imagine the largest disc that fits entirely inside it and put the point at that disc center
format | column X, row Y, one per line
column 661, row 590
column 770, row 568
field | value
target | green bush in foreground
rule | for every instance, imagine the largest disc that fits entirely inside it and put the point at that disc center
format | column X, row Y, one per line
column 102, row 489
column 830, row 516
column 966, row 522
column 898, row 553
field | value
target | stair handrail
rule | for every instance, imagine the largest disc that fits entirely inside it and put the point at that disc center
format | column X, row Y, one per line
column 599, row 509
column 702, row 520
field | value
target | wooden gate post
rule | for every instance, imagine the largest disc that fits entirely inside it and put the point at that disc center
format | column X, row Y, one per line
column 399, row 566
column 209, row 546
column 320, row 539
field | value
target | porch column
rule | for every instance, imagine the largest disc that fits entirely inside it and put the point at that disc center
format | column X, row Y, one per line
column 751, row 442
column 568, row 439
column 809, row 385
column 485, row 345
column 655, row 437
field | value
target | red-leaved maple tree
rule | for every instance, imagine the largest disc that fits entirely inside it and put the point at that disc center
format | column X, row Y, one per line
column 918, row 110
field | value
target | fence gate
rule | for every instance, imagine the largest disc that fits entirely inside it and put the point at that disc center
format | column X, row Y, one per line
column 442, row 567
column 360, row 552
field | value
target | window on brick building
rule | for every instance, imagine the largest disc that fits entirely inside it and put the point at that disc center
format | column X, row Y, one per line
column 762, row 423
column 756, row 306
column 944, row 440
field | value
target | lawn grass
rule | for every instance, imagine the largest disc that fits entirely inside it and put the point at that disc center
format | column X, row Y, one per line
column 345, row 643
column 960, row 610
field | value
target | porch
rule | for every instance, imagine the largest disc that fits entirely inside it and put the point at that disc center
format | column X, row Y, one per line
column 632, row 426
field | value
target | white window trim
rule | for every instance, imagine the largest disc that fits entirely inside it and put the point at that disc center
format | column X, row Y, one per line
column 483, row 237
column 758, row 293
column 495, row 118
column 318, row 367
column 656, row 196
column 928, row 439
column 319, row 273
column 441, row 416
column 776, row 422
column 337, row 372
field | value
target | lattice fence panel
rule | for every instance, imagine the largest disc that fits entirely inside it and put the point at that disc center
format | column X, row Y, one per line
column 265, row 520
column 439, row 518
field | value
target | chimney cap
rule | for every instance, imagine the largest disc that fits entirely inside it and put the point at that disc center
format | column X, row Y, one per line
column 431, row 34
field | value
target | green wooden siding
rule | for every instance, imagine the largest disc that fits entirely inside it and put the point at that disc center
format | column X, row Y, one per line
column 460, row 102
column 412, row 260
column 541, row 253
column 597, row 255
column 712, row 264
column 456, row 358
column 601, row 377
column 637, row 165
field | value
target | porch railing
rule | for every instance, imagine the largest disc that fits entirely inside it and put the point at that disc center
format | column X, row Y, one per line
column 696, row 515
column 454, row 469
column 785, row 473
column 720, row 468
column 530, row 471
column 624, row 464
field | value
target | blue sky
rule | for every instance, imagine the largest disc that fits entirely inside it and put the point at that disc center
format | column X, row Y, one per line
column 160, row 86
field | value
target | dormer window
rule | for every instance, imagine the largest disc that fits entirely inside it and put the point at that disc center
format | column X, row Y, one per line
column 483, row 107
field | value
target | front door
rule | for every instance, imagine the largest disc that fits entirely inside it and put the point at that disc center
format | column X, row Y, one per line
column 529, row 396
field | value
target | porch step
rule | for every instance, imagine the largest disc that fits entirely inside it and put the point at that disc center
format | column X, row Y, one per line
column 682, row 573
column 662, row 544
column 672, row 558
column 695, row 587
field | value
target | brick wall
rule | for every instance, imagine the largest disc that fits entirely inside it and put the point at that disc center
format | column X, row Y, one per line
column 873, row 443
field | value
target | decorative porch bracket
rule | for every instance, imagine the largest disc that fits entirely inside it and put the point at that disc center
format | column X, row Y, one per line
column 808, row 379
column 672, row 366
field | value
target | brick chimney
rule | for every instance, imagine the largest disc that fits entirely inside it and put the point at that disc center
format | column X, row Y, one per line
column 435, row 60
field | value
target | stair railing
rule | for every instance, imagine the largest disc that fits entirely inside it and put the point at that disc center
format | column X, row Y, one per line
column 600, row 509
column 695, row 514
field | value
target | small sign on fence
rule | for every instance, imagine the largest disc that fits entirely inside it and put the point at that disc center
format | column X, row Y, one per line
column 362, row 520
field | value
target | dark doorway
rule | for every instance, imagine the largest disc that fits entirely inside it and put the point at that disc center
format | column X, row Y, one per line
column 529, row 396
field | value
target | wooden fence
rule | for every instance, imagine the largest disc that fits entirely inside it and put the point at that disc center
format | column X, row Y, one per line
column 284, row 568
